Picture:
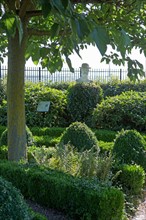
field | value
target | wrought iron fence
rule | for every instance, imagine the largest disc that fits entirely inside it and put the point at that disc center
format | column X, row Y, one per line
column 37, row 74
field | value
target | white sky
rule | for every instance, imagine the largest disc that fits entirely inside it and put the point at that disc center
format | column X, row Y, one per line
column 92, row 56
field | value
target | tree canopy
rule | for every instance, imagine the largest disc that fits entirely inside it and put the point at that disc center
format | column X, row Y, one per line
column 56, row 28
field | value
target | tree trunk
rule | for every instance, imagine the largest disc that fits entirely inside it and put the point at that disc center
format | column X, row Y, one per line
column 15, row 94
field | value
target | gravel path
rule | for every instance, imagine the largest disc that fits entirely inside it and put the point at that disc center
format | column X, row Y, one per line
column 51, row 214
column 141, row 212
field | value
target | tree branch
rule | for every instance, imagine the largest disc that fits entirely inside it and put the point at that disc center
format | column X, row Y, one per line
column 34, row 13
column 23, row 8
column 37, row 32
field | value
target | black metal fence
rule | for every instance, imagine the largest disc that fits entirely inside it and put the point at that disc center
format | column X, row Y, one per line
column 37, row 74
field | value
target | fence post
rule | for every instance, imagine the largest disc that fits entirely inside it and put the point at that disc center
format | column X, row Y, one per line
column 120, row 74
column 39, row 74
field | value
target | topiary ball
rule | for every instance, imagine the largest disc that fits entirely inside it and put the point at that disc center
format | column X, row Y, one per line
column 12, row 204
column 29, row 137
column 129, row 148
column 80, row 136
column 82, row 98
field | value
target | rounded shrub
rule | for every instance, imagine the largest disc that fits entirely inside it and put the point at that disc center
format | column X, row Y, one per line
column 129, row 148
column 132, row 178
column 127, row 111
column 57, row 115
column 80, row 136
column 82, row 98
column 12, row 205
column 29, row 137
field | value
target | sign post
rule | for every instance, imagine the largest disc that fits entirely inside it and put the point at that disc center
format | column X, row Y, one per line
column 43, row 107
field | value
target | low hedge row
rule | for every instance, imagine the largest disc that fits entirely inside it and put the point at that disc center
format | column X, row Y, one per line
column 50, row 136
column 53, row 131
column 101, row 134
column 79, row 198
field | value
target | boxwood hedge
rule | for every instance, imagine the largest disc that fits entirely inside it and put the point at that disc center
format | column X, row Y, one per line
column 127, row 111
column 79, row 198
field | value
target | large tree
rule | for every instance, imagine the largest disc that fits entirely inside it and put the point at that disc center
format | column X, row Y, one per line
column 50, row 30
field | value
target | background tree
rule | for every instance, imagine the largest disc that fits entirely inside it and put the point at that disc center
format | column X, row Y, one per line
column 50, row 30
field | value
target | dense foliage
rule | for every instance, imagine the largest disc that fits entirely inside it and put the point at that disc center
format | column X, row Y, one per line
column 130, row 148
column 131, row 178
column 115, row 87
column 80, row 136
column 12, row 205
column 29, row 136
column 127, row 111
column 56, row 116
column 82, row 98
column 66, row 193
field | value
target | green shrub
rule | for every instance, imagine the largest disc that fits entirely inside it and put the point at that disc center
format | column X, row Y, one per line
column 131, row 178
column 3, row 112
column 3, row 152
column 127, row 111
column 29, row 137
column 12, row 205
column 57, row 115
column 53, row 131
column 2, row 128
column 129, row 148
column 46, row 141
column 114, row 88
column 3, row 86
column 82, row 98
column 105, row 146
column 80, row 136
column 105, row 135
column 35, row 154
column 59, row 85
column 66, row 193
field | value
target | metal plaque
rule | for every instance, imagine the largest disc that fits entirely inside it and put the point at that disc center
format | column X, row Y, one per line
column 43, row 106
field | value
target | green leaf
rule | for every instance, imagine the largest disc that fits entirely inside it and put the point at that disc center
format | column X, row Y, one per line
column 100, row 36
column 9, row 24
column 58, row 5
column 78, row 29
column 65, row 3
column 126, row 38
column 69, row 63
column 55, row 30
column 46, row 8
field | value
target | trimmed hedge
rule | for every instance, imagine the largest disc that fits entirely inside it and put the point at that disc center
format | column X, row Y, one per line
column 115, row 87
column 131, row 178
column 80, row 136
column 57, row 115
column 53, row 131
column 79, row 198
column 129, row 148
column 127, row 111
column 82, row 98
column 12, row 204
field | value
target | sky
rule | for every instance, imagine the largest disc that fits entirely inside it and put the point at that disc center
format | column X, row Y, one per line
column 92, row 56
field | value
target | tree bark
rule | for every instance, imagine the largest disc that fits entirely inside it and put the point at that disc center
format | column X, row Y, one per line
column 16, row 104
